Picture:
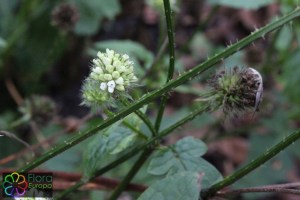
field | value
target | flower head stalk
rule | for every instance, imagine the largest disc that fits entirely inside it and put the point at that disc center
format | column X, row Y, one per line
column 235, row 90
column 111, row 76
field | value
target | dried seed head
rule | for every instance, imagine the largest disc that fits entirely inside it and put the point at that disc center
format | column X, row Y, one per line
column 65, row 16
column 235, row 90
column 41, row 109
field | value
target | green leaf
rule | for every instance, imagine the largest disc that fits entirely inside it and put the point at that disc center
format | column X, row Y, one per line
column 135, row 120
column 284, row 39
column 98, row 150
column 184, row 156
column 135, row 50
column 92, row 12
column 181, row 186
column 254, row 4
column 7, row 17
column 124, row 143
column 2, row 43
column 108, row 146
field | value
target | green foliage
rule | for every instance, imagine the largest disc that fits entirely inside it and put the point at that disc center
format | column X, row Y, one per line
column 2, row 43
column 185, row 155
column 181, row 186
column 255, row 4
column 32, row 49
column 112, row 143
column 92, row 12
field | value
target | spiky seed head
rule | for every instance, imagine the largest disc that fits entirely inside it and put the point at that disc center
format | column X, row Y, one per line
column 235, row 90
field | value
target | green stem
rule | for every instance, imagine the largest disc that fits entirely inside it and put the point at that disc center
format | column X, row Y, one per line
column 128, row 125
column 140, row 134
column 166, row 88
column 142, row 116
column 133, row 152
column 252, row 165
column 171, row 64
column 133, row 171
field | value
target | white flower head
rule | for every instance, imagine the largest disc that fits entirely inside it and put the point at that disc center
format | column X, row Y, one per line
column 111, row 76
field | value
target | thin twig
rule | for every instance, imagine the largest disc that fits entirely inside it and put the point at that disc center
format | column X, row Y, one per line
column 260, row 189
column 49, row 140
column 13, row 91
column 39, row 136
column 33, row 147
column 14, row 137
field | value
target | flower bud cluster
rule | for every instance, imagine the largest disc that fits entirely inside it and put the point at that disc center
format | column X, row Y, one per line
column 111, row 76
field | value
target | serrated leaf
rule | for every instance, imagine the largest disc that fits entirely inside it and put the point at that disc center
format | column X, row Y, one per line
column 184, row 156
column 135, row 50
column 181, row 186
column 254, row 4
column 110, row 144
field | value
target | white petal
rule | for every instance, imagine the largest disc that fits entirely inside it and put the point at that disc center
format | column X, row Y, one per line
column 111, row 89
column 125, row 56
column 98, row 70
column 111, row 84
column 103, row 86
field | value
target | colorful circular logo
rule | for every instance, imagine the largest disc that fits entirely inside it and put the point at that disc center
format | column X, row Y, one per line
column 15, row 184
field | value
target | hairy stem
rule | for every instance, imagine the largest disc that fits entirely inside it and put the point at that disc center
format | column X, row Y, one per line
column 166, row 88
column 252, row 165
column 134, row 151
column 133, row 171
column 171, row 64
